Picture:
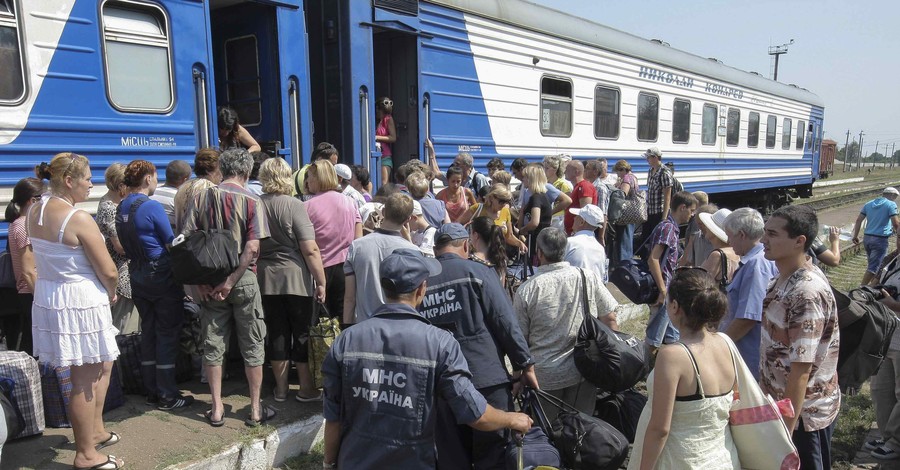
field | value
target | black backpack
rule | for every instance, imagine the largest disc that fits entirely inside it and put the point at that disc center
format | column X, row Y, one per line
column 205, row 257
column 611, row 360
column 866, row 327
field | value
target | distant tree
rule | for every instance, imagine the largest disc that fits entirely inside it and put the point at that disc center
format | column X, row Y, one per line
column 854, row 149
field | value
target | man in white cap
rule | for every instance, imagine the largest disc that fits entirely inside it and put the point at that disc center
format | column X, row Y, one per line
column 583, row 250
column 344, row 175
column 883, row 222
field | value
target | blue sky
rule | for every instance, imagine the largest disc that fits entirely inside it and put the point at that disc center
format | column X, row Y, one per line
column 845, row 52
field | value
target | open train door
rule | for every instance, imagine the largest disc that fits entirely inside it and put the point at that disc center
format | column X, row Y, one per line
column 260, row 69
column 360, row 51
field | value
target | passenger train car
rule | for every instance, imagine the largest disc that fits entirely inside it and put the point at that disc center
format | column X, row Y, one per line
column 123, row 79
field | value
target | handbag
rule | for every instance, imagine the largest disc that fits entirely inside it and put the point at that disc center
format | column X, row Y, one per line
column 633, row 278
column 533, row 449
column 634, row 210
column 762, row 439
column 322, row 334
column 611, row 360
column 723, row 267
column 584, row 442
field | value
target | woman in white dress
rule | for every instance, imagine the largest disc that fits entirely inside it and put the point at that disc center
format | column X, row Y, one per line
column 76, row 284
column 685, row 422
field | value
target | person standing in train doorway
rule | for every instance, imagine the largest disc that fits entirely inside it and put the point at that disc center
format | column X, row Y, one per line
column 659, row 192
column 883, row 222
column 385, row 135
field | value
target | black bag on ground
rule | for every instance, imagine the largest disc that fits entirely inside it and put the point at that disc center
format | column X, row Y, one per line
column 584, row 442
column 866, row 327
column 622, row 410
column 632, row 277
column 611, row 360
column 129, row 364
column 205, row 257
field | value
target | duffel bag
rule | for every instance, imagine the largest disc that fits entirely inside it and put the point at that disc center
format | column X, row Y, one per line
column 611, row 360
column 632, row 277
column 585, row 442
column 534, row 448
column 622, row 410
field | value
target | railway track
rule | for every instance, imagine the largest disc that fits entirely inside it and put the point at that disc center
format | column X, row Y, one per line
column 842, row 196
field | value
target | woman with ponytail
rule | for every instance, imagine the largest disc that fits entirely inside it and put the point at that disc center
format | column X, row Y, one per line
column 691, row 389
column 488, row 245
column 18, row 327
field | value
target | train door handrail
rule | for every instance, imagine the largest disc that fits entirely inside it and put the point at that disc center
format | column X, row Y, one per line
column 202, row 104
column 294, row 111
column 364, row 128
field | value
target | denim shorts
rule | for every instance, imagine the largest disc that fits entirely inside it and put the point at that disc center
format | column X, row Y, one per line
column 876, row 249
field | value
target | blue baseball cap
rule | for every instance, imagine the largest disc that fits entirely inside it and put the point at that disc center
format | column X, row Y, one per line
column 449, row 232
column 406, row 269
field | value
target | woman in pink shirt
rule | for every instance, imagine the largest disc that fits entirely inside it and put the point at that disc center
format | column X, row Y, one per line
column 18, row 327
column 385, row 135
column 336, row 221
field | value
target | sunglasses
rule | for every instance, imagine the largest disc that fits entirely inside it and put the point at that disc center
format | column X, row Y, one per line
column 387, row 103
column 688, row 268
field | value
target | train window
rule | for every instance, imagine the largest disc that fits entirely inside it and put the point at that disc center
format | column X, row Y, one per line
column 734, row 127
column 648, row 117
column 242, row 79
column 606, row 113
column 681, row 121
column 771, row 124
column 801, row 134
column 138, row 62
column 556, row 107
column 786, row 134
column 710, row 116
column 12, row 77
column 753, row 130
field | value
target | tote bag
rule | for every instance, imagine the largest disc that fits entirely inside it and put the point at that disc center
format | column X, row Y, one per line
column 634, row 211
column 759, row 434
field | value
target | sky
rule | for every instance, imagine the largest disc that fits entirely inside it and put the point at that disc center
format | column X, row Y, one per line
column 846, row 52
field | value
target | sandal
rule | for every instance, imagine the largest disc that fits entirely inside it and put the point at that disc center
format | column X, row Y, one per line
column 214, row 423
column 112, row 463
column 112, row 440
column 267, row 414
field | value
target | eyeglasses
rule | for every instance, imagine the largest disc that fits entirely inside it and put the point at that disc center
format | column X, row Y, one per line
column 503, row 201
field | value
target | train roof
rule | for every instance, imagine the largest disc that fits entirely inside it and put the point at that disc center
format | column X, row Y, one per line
column 548, row 20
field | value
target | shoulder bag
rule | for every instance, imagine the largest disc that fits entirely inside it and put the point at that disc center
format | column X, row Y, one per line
column 759, row 434
column 205, row 256
column 611, row 360
column 723, row 267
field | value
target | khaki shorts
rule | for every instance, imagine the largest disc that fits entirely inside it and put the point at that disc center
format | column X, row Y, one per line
column 241, row 310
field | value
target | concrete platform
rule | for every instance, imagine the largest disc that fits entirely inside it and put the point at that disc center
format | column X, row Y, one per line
column 153, row 439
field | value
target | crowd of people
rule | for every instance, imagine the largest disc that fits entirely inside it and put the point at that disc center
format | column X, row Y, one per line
column 440, row 331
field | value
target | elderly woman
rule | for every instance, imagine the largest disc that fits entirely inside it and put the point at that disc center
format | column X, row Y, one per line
column 122, row 311
column 712, row 226
column 289, row 262
column 18, row 327
column 76, row 284
column 627, row 182
column 336, row 221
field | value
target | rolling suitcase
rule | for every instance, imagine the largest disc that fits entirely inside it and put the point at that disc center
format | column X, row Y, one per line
column 23, row 369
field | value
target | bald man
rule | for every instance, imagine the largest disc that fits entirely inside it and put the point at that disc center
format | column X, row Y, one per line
column 583, row 191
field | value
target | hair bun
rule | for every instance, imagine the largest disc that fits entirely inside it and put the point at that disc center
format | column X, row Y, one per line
column 42, row 171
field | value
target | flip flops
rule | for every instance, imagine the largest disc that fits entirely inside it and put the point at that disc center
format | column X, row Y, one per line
column 112, row 440
column 112, row 463
column 267, row 414
column 212, row 422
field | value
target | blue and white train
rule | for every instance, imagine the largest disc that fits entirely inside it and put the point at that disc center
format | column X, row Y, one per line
column 123, row 79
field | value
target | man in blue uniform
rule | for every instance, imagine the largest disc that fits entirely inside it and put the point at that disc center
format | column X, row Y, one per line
column 383, row 377
column 466, row 298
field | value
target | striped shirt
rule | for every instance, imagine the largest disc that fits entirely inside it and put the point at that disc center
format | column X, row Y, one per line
column 233, row 207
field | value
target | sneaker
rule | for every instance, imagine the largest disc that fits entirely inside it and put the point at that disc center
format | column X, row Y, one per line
column 175, row 403
column 885, row 453
column 873, row 444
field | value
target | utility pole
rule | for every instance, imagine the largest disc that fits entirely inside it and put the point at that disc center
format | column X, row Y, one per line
column 776, row 51
column 876, row 152
column 859, row 151
column 847, row 152
column 892, row 154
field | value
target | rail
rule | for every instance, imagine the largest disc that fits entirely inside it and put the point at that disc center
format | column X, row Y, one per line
column 364, row 139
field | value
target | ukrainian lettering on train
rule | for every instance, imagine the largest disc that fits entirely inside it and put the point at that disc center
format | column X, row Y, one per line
column 723, row 90
column 663, row 76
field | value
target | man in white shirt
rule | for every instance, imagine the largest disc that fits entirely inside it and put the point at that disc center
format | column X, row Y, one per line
column 583, row 250
column 608, row 178
column 344, row 176
column 177, row 172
